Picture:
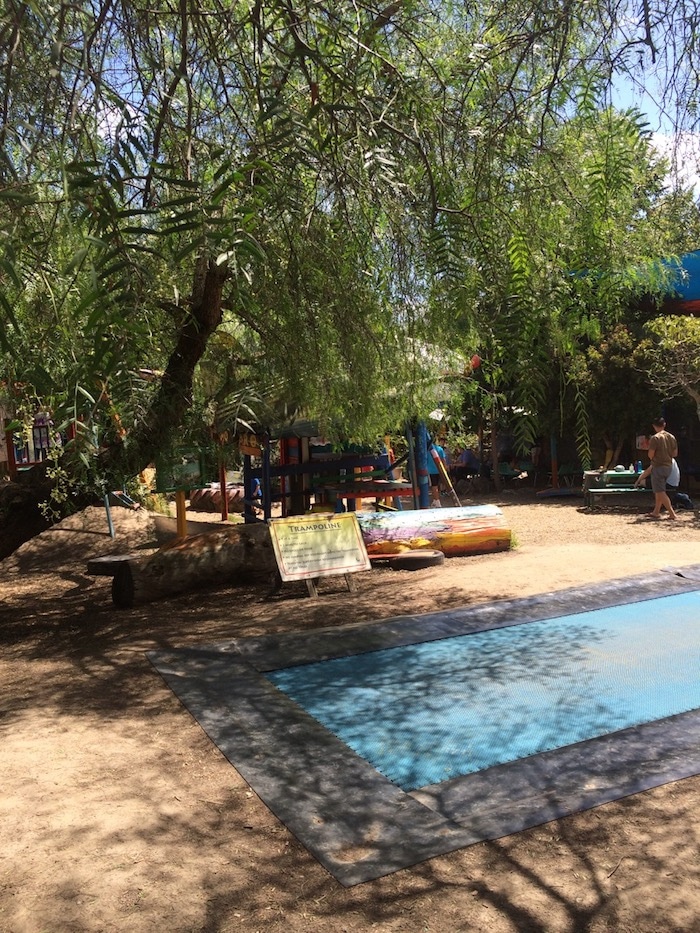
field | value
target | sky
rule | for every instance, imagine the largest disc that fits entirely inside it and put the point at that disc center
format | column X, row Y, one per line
column 682, row 149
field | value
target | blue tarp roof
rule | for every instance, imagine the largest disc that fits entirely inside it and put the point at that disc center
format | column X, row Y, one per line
column 688, row 284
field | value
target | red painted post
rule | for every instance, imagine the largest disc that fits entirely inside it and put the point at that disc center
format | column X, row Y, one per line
column 11, row 462
column 223, row 490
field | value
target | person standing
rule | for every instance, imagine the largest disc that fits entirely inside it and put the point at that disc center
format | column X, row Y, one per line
column 663, row 447
column 434, row 471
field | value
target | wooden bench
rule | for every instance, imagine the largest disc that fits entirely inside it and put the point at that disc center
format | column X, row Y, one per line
column 376, row 489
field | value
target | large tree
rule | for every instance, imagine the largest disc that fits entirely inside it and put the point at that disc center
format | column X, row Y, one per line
column 620, row 398
column 673, row 357
column 567, row 243
column 299, row 194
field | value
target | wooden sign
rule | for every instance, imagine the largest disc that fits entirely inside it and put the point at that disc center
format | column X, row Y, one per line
column 250, row 444
column 320, row 545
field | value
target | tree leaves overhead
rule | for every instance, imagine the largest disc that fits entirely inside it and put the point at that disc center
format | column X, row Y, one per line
column 349, row 189
column 673, row 358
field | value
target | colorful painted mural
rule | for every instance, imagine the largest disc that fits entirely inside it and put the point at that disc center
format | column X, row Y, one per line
column 477, row 529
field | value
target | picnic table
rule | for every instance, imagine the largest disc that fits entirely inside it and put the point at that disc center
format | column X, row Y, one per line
column 599, row 484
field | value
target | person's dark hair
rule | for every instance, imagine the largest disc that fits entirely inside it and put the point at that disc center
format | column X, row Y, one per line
column 659, row 423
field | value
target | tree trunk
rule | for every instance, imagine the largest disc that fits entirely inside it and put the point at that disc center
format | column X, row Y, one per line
column 224, row 556
column 153, row 434
column 20, row 514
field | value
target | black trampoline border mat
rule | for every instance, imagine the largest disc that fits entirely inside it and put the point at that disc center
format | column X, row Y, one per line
column 354, row 821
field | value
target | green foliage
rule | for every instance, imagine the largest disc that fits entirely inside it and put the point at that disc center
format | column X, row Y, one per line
column 56, row 505
column 571, row 241
column 619, row 397
column 214, row 212
column 672, row 357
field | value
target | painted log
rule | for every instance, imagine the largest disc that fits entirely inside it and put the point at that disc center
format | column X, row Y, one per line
column 227, row 555
column 244, row 552
column 478, row 529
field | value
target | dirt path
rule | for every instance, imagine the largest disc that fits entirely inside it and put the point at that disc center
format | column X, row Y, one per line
column 118, row 814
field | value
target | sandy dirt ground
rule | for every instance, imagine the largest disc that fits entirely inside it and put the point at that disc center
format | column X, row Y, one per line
column 118, row 814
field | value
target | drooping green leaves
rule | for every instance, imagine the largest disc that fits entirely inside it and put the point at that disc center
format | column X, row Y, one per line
column 374, row 186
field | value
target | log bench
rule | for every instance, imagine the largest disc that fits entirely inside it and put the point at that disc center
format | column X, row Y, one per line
column 108, row 566
column 222, row 556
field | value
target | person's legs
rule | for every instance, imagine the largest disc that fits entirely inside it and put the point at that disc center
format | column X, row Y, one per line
column 659, row 475
column 435, row 491
column 661, row 501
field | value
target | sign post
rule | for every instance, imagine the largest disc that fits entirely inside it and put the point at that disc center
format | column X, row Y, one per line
column 311, row 546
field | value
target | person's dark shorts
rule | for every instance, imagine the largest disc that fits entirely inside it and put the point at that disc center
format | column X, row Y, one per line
column 659, row 477
column 435, row 480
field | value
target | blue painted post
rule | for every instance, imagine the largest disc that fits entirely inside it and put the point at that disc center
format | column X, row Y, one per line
column 266, row 483
column 248, row 510
column 422, row 465
column 410, row 442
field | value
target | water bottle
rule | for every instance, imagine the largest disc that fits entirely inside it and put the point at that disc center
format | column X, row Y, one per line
column 639, row 467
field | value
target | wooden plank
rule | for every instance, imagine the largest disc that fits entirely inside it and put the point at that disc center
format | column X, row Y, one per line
column 592, row 494
column 370, row 489
column 107, row 566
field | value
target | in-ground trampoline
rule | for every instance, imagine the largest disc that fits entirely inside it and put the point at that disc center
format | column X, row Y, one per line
column 384, row 744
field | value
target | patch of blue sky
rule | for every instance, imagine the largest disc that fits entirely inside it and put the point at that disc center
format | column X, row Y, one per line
column 680, row 147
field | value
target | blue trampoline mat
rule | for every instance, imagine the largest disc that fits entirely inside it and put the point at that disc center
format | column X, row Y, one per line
column 609, row 668
column 426, row 713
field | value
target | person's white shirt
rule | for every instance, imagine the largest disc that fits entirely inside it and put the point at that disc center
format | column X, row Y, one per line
column 674, row 477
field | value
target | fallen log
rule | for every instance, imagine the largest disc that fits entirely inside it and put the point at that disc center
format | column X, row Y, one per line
column 227, row 555
column 457, row 532
column 244, row 552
